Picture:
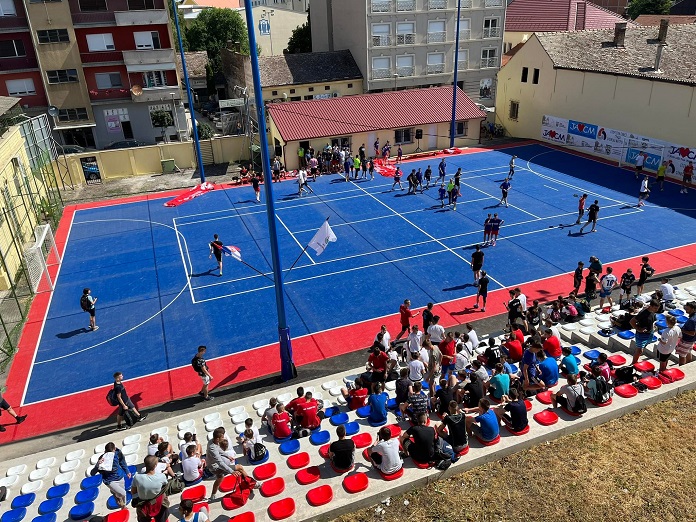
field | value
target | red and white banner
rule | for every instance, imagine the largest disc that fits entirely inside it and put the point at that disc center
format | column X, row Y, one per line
column 192, row 193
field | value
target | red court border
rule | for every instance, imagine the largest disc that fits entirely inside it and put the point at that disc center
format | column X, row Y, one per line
column 84, row 407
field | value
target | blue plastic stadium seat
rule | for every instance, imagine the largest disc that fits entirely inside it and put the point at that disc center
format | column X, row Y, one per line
column 112, row 504
column 574, row 350
column 23, row 501
column 662, row 323
column 376, row 424
column 91, row 482
column 51, row 517
column 340, row 418
column 50, row 506
column 319, row 438
column 425, row 385
column 514, row 368
column 676, row 312
column 290, row 447
column 261, row 460
column 14, row 515
column 391, row 404
column 605, row 333
column 87, row 495
column 627, row 334
column 352, row 428
column 681, row 319
column 363, row 412
column 58, row 491
column 81, row 511
column 333, row 410
column 280, row 441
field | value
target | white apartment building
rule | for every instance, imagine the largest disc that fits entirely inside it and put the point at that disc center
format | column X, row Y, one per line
column 411, row 43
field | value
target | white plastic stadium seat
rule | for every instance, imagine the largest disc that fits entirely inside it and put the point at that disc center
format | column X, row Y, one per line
column 568, row 327
column 310, row 389
column 335, row 392
column 261, row 411
column 17, row 470
column 32, row 487
column 9, row 481
column 46, row 463
column 131, row 459
column 236, row 410
column 350, row 378
column 131, row 439
column 285, row 397
column 100, row 448
column 71, row 465
column 211, row 417
column 130, row 449
column 181, row 434
column 64, row 478
column 94, row 458
column 211, row 426
column 186, row 425
column 38, row 474
column 342, row 401
column 161, row 431
column 263, row 403
column 328, row 385
column 75, row 455
column 240, row 418
column 390, row 385
column 587, row 330
column 586, row 322
column 239, row 428
column 318, row 396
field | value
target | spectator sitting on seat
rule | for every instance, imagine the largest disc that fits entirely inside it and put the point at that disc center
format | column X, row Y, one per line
column 249, row 438
column 267, row 418
column 548, row 369
column 307, row 414
column 481, row 372
column 551, row 325
column 192, row 466
column 419, row 441
column 552, row 346
column 566, row 396
column 602, row 362
column 403, row 387
column 416, row 403
column 513, row 411
column 531, row 381
column 220, row 464
column 507, row 367
column 378, row 405
column 513, row 348
column 249, row 425
column 667, row 343
column 533, row 315
column 164, row 454
column 290, row 406
column 462, row 357
column 453, row 428
column 385, row 454
column 597, row 387
column 342, row 451
column 281, row 423
column 190, row 440
column 622, row 318
column 442, row 398
column 517, row 330
column 356, row 396
column 485, row 424
column 491, row 356
column 227, row 452
column 499, row 384
column 569, row 366
column 569, row 313
column 155, row 441
column 378, row 363
column 472, row 392
column 187, row 514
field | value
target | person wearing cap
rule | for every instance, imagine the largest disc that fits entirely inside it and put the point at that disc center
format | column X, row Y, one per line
column 688, row 334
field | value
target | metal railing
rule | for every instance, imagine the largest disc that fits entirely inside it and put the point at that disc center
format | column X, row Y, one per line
column 406, row 39
column 381, row 6
column 382, row 40
column 435, row 68
column 380, row 74
column 437, row 4
column 465, row 34
column 463, row 65
column 491, row 32
column 489, row 62
column 466, row 4
column 405, row 5
column 438, row 37
column 493, row 3
column 406, row 71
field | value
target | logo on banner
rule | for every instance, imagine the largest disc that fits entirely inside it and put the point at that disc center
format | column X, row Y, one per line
column 652, row 161
column 585, row 130
column 553, row 135
column 684, row 152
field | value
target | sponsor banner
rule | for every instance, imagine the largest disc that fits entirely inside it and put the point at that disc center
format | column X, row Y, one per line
column 582, row 129
column 610, row 143
column 652, row 161
column 680, row 157
column 554, row 129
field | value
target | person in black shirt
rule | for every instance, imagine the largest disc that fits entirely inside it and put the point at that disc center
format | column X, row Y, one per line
column 403, row 389
column 428, row 176
column 443, row 397
column 416, row 403
column 513, row 411
column 124, row 402
column 427, row 317
column 644, row 324
column 455, row 424
column 201, row 367
column 577, row 277
column 627, row 280
column 592, row 214
column 645, row 271
column 216, row 250
column 492, row 355
column 514, row 308
column 482, row 290
column 473, row 391
column 419, row 441
column 477, row 264
column 342, row 451
column 255, row 183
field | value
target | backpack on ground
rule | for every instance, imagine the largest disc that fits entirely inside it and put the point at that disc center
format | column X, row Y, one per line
column 111, row 397
column 259, row 451
column 624, row 374
column 85, row 303
column 604, row 390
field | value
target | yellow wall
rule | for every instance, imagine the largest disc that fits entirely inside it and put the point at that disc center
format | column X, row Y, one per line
column 662, row 110
column 513, row 37
column 302, row 90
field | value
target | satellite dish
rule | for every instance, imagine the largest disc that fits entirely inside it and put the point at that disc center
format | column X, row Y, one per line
column 52, row 110
column 137, row 90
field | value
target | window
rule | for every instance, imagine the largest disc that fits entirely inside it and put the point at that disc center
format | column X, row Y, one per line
column 403, row 136
column 100, row 42
column 309, row 97
column 405, row 65
column 381, row 67
column 7, row 8
column 535, row 78
column 147, row 40
column 525, row 73
column 514, row 110
column 62, row 76
column 462, row 128
column 295, row 98
column 491, row 28
column 23, row 87
column 327, row 87
column 381, row 35
column 465, row 28
column 463, row 62
column 436, row 63
column 108, row 80
column 274, row 93
column 292, row 91
column 311, row 89
column 405, row 33
column 12, row 48
column 92, row 5
column 72, row 114
column 488, row 58
column 140, row 5
column 350, row 86
column 49, row 36
column 436, row 31
column 154, row 79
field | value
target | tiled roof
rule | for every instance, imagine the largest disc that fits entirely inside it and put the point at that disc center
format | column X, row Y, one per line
column 512, row 52
column 195, row 63
column 673, row 19
column 557, row 15
column 594, row 51
column 346, row 115
column 296, row 69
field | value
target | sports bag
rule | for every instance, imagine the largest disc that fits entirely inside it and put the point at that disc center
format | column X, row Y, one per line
column 85, row 303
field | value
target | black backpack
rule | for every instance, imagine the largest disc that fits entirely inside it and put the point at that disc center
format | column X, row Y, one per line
column 259, row 451
column 603, row 390
column 580, row 404
column 624, row 374
column 85, row 303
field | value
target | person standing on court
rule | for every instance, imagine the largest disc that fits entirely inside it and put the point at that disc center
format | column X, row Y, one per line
column 216, row 250
column 201, row 367
column 88, row 304
column 640, row 161
column 19, row 419
column 578, row 277
column 686, row 179
column 361, row 153
column 592, row 214
column 645, row 271
column 496, row 222
column 477, row 263
column 644, row 192
column 405, row 316
column 441, row 171
column 256, row 185
column 512, row 167
column 482, row 290
column 487, row 230
column 581, row 208
column 504, row 188
column 124, row 403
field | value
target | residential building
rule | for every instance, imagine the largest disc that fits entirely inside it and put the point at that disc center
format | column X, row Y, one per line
column 685, row 7
column 639, row 81
column 673, row 19
column 411, row 43
column 351, row 121
column 524, row 17
column 196, row 63
column 103, row 66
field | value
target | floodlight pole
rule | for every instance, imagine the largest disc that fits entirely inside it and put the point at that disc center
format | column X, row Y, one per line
column 456, row 69
column 184, row 70
column 287, row 367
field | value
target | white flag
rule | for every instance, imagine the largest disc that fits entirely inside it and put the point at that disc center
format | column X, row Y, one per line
column 322, row 238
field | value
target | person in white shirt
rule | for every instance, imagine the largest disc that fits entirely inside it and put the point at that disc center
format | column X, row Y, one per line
column 668, row 341
column 667, row 290
column 461, row 358
column 416, row 369
column 473, row 336
column 607, row 282
column 249, row 425
column 415, row 340
column 268, row 414
column 522, row 298
column 385, row 454
column 554, row 330
column 386, row 338
column 192, row 467
column 424, row 355
column 436, row 331
column 644, row 191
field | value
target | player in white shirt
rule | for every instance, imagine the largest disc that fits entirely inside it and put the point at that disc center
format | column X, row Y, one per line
column 607, row 283
column 667, row 290
column 436, row 331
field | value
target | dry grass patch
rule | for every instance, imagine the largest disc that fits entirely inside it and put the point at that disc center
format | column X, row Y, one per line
column 639, row 467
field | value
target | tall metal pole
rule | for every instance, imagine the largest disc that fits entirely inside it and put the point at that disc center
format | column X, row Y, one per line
column 287, row 367
column 196, row 142
column 454, row 83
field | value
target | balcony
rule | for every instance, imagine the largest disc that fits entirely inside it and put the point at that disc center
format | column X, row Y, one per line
column 466, row 4
column 493, row 3
column 148, row 17
column 380, row 74
column 463, row 65
column 491, row 32
column 438, row 37
column 93, row 18
column 487, row 63
column 101, row 57
column 435, row 68
column 382, row 40
column 13, row 22
column 406, row 39
column 465, row 34
column 381, row 6
column 406, row 71
column 437, row 4
column 148, row 59
column 405, row 5
column 155, row 94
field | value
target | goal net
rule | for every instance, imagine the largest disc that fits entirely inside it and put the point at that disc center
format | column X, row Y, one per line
column 39, row 257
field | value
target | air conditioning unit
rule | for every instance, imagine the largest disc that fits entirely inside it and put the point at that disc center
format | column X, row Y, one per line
column 335, row 94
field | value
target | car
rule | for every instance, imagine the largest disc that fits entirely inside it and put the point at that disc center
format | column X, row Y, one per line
column 484, row 108
column 70, row 149
column 123, row 144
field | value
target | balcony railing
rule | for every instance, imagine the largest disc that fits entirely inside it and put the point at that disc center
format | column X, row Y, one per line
column 465, row 34
column 147, row 17
column 466, row 4
column 13, row 22
column 463, row 65
column 98, row 17
column 382, row 40
column 379, row 74
column 135, row 60
column 100, row 57
column 406, row 39
column 381, row 6
column 493, row 3
column 438, row 37
column 406, row 71
column 152, row 94
column 405, row 5
column 437, row 4
column 435, row 68
column 489, row 62
column 491, row 32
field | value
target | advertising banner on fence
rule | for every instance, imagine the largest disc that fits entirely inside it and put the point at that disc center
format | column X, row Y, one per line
column 554, row 129
column 581, row 135
column 610, row 143
column 680, row 157
column 652, row 148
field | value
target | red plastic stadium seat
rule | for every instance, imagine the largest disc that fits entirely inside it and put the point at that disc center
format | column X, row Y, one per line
column 324, row 451
column 587, row 367
column 201, row 505
column 197, row 493
column 340, row 471
column 122, row 515
column 521, row 432
column 228, row 483
column 247, row 516
column 420, row 465
column 488, row 442
column 273, row 487
column 392, row 476
column 230, row 502
column 493, row 399
column 600, row 404
column 617, row 360
column 355, row 483
column 463, row 452
column 320, row 496
column 308, row 475
column 299, row 460
column 626, row 391
column 266, row 471
column 675, row 374
column 282, row 509
column 395, row 430
column 362, row 440
column 644, row 366
column 366, row 454
column 653, row 383
column 571, row 412
column 528, row 404
column 546, row 417
column 544, row 397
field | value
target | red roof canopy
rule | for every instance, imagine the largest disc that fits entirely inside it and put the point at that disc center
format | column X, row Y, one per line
column 303, row 120
column 558, row 15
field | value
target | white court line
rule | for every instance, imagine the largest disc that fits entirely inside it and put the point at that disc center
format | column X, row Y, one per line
column 551, row 188
column 304, row 250
column 183, row 262
column 513, row 206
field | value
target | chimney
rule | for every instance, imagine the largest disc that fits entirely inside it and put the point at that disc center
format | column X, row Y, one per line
column 662, row 35
column 658, row 57
column 619, row 34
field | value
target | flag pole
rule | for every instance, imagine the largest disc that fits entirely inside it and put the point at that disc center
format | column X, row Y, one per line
column 287, row 366
column 302, row 253
column 256, row 270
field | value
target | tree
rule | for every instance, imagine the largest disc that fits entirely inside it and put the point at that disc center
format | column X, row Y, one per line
column 641, row 7
column 162, row 119
column 205, row 131
column 211, row 31
column 301, row 38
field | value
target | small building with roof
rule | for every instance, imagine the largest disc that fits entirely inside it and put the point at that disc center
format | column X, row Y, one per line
column 394, row 116
column 196, row 63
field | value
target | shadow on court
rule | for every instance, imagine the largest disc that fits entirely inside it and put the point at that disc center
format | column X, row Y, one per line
column 72, row 333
